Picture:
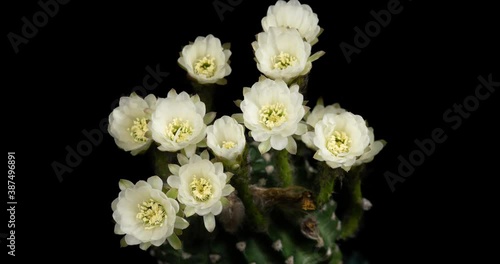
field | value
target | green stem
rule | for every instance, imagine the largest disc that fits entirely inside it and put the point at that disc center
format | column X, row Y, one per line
column 354, row 213
column 285, row 173
column 325, row 183
column 241, row 182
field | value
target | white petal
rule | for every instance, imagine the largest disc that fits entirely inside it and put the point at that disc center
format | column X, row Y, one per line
column 124, row 184
column 156, row 182
column 209, row 117
column 180, row 223
column 205, row 155
column 278, row 142
column 118, row 230
column 301, row 129
column 189, row 211
column 209, row 221
column 144, row 246
column 217, row 208
column 238, row 118
column 174, row 181
column 131, row 240
column 174, row 241
column 264, row 146
column 190, row 150
column 183, row 160
column 227, row 190
column 291, row 146
column 174, row 169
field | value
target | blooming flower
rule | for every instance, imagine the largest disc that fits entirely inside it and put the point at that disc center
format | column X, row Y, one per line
column 206, row 60
column 343, row 140
column 272, row 112
column 145, row 215
column 292, row 14
column 179, row 122
column 316, row 115
column 226, row 138
column 200, row 186
column 128, row 123
column 282, row 54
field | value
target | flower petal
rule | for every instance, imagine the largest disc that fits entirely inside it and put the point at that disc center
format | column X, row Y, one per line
column 227, row 190
column 189, row 211
column 174, row 169
column 278, row 142
column 264, row 146
column 209, row 221
column 174, row 241
column 217, row 208
column 190, row 150
column 124, row 184
column 180, row 223
column 209, row 117
column 156, row 182
column 174, row 181
column 183, row 160
column 291, row 146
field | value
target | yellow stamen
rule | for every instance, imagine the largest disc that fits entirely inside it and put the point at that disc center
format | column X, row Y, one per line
column 273, row 115
column 152, row 214
column 338, row 143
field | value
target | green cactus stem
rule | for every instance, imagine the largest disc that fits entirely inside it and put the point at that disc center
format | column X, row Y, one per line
column 285, row 172
column 354, row 213
column 325, row 182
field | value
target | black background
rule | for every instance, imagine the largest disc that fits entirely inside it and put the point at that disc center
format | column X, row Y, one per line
column 426, row 60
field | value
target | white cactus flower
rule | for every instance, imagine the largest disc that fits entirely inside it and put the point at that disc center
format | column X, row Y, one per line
column 340, row 139
column 128, row 123
column 282, row 54
column 273, row 112
column 226, row 138
column 316, row 115
column 200, row 186
column 145, row 215
column 179, row 122
column 292, row 14
column 206, row 60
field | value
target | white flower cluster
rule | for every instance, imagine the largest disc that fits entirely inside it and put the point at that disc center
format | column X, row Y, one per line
column 273, row 110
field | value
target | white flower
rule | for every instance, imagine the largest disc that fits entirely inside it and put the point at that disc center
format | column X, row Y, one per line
column 316, row 115
column 145, row 215
column 206, row 60
column 226, row 138
column 343, row 140
column 179, row 122
column 272, row 112
column 340, row 139
column 292, row 14
column 282, row 54
column 128, row 123
column 200, row 184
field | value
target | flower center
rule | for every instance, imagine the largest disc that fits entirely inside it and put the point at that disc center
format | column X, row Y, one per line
column 283, row 60
column 228, row 144
column 152, row 214
column 201, row 189
column 179, row 130
column 205, row 66
column 138, row 129
column 338, row 143
column 273, row 115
